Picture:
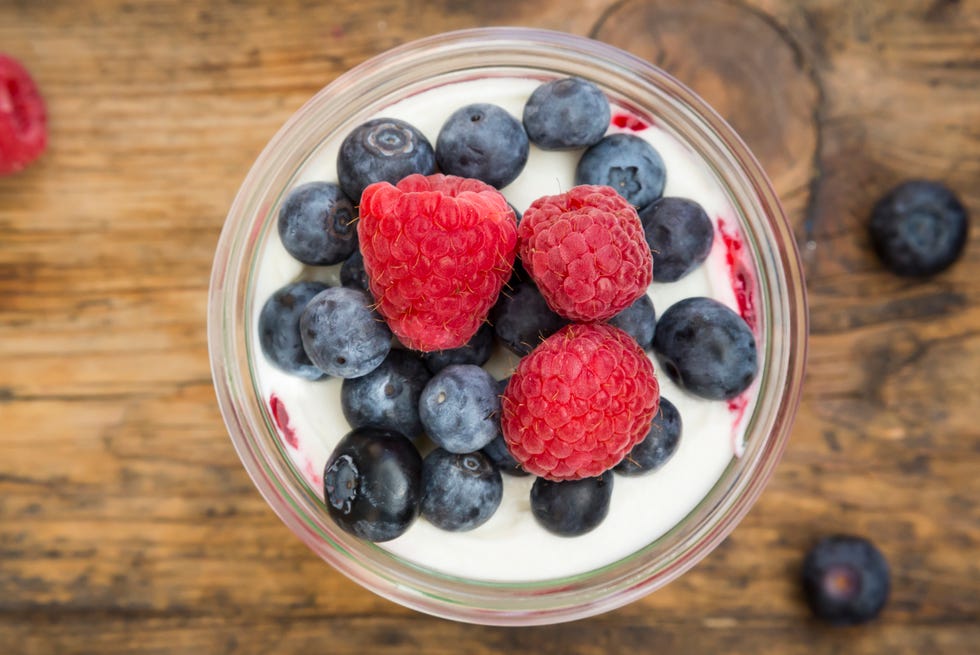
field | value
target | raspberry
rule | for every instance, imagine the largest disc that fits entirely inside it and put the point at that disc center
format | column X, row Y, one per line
column 437, row 250
column 586, row 251
column 23, row 122
column 579, row 402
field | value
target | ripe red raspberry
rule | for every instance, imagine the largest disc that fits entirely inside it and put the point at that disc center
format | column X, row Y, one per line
column 23, row 121
column 586, row 251
column 437, row 250
column 579, row 402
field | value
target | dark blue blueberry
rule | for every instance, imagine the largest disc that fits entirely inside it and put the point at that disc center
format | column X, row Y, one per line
column 846, row 580
column 919, row 228
column 626, row 163
column 639, row 320
column 497, row 450
column 388, row 396
column 460, row 408
column 658, row 446
column 566, row 113
column 476, row 351
column 383, row 149
column 679, row 234
column 316, row 224
column 352, row 272
column 460, row 491
column 573, row 507
column 372, row 484
column 517, row 214
column 279, row 335
column 342, row 335
column 706, row 348
column 482, row 141
column 522, row 319
column 500, row 455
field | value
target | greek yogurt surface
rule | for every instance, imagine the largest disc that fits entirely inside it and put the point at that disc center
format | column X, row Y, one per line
column 512, row 546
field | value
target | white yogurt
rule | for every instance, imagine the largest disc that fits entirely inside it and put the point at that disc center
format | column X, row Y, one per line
column 511, row 546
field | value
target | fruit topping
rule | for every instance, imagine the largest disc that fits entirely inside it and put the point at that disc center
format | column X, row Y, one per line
column 279, row 333
column 316, row 224
column 573, row 507
column 658, row 446
column 484, row 142
column 23, row 119
column 475, row 351
column 919, row 228
column 679, row 234
column 706, row 348
column 579, row 402
column 566, row 113
column 382, row 150
column 459, row 491
column 372, row 484
column 460, row 408
column 626, row 163
column 846, row 580
column 388, row 396
column 522, row 319
column 342, row 335
column 437, row 251
column 639, row 320
column 585, row 251
column 352, row 273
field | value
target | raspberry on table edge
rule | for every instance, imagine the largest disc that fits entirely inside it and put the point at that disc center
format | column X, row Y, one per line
column 23, row 117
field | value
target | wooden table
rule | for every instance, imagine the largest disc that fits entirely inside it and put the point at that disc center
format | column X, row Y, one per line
column 127, row 523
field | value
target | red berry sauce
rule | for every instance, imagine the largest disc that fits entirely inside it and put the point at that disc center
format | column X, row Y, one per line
column 743, row 281
column 629, row 122
column 281, row 417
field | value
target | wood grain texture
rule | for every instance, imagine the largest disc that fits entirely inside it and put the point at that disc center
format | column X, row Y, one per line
column 127, row 524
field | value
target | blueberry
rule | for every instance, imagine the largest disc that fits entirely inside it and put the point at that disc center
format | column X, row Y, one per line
column 919, row 228
column 566, row 113
column 475, row 351
column 497, row 449
column 383, row 149
column 460, row 491
column 279, row 335
column 846, row 580
column 573, row 507
column 388, row 396
column 626, row 163
column 500, row 455
column 372, row 484
column 658, row 446
column 316, row 224
column 639, row 320
column 353, row 273
column 679, row 234
column 342, row 335
column 522, row 319
column 482, row 141
column 706, row 348
column 460, row 408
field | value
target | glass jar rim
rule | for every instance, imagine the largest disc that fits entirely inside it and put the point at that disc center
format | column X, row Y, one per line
column 475, row 601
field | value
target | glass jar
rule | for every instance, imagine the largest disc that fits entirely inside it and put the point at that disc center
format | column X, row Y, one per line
column 446, row 59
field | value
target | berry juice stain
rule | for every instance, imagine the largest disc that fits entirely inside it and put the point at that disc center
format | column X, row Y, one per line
column 629, row 122
column 743, row 284
column 737, row 406
column 281, row 417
